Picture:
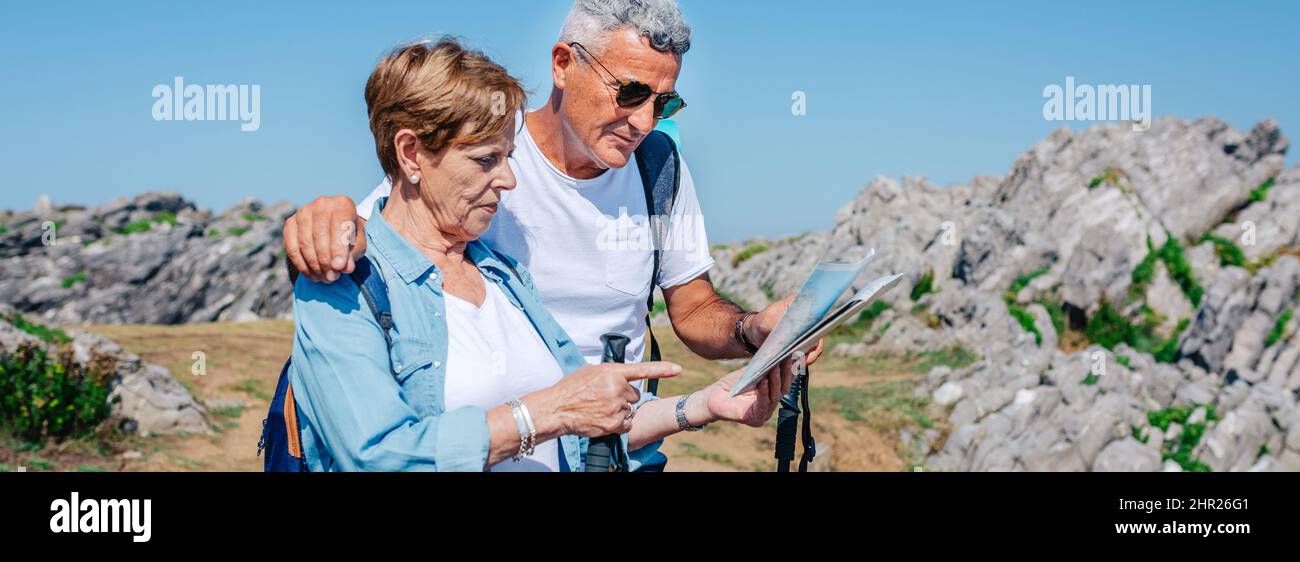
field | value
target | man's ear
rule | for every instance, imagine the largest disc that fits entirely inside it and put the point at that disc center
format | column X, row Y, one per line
column 561, row 60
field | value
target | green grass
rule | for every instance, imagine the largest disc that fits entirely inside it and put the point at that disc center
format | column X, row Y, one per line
column 1137, row 434
column 1091, row 379
column 693, row 450
column 660, row 307
column 1261, row 192
column 44, row 333
column 1023, row 281
column 1171, row 253
column 858, row 329
column 923, row 286
column 1123, row 360
column 252, row 387
column 214, row 233
column 883, row 405
column 254, row 217
column 1026, row 320
column 1110, row 175
column 1229, row 253
column 143, row 225
column 90, row 468
column 749, row 252
column 237, row 230
column 80, row 277
column 1180, row 450
column 1279, row 328
column 3, row 230
column 228, row 411
column 1143, row 273
column 39, row 464
column 1109, row 328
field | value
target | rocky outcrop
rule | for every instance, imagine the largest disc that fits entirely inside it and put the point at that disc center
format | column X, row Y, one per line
column 155, row 258
column 1181, row 242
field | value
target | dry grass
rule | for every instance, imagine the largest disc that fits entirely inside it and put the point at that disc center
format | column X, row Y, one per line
column 859, row 404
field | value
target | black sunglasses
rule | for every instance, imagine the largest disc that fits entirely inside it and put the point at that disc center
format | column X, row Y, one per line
column 633, row 93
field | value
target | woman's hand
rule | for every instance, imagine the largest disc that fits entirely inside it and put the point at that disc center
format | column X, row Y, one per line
column 593, row 400
column 752, row 407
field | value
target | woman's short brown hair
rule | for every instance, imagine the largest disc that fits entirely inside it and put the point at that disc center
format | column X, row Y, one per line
column 443, row 92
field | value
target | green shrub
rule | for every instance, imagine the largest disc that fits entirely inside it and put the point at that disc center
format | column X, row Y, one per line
column 253, row 217
column 1261, row 192
column 923, row 286
column 1181, row 271
column 1026, row 320
column 1143, row 273
column 660, row 307
column 749, row 252
column 1123, row 360
column 80, row 277
column 143, row 225
column 1229, row 253
column 3, row 230
column 51, row 397
column 1167, row 350
column 1279, row 328
column 237, row 230
column 1021, row 282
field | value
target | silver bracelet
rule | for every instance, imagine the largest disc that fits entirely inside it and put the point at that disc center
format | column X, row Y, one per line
column 532, row 429
column 525, row 436
column 683, row 423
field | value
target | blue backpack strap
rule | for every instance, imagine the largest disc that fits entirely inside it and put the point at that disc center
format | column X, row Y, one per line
column 660, row 166
column 375, row 291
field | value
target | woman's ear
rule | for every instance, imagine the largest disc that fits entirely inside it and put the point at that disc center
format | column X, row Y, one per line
column 408, row 151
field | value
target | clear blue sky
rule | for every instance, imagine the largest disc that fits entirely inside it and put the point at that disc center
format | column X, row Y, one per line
column 942, row 89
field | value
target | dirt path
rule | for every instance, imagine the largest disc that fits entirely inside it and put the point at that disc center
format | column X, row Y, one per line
column 857, row 407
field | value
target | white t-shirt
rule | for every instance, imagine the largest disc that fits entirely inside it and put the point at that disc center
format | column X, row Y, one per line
column 586, row 244
column 494, row 356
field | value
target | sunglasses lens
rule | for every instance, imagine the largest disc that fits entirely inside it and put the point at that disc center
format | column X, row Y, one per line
column 633, row 93
column 668, row 107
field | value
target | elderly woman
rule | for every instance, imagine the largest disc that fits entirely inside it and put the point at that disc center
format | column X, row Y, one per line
column 478, row 375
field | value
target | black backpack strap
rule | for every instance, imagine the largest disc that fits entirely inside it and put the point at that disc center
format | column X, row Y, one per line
column 660, row 165
column 375, row 291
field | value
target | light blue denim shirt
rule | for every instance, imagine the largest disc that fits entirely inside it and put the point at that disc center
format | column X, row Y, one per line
column 364, row 406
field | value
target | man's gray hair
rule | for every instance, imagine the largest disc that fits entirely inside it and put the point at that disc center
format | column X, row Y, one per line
column 660, row 21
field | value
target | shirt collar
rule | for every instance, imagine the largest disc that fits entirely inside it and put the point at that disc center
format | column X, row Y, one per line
column 409, row 263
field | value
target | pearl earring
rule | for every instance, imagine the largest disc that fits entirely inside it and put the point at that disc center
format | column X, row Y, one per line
column 415, row 178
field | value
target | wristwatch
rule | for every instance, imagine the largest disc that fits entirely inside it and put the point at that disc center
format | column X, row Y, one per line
column 682, row 422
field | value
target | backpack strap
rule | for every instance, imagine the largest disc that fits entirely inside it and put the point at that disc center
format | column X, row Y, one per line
column 375, row 291
column 660, row 165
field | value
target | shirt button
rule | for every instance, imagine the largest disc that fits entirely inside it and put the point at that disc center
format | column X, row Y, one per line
column 437, row 364
column 433, row 275
column 437, row 314
column 398, row 367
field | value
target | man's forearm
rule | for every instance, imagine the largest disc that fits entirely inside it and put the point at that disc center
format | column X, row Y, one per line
column 705, row 321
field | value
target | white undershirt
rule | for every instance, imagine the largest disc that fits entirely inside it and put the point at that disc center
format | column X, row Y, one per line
column 495, row 356
column 578, row 238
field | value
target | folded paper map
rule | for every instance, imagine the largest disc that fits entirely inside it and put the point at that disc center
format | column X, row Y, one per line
column 813, row 313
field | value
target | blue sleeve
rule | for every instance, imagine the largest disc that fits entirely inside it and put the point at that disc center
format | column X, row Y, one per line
column 347, row 393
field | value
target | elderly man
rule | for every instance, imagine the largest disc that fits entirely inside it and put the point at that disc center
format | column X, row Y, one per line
column 572, row 220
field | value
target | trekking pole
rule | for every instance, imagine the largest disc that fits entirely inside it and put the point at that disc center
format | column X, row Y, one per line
column 787, row 423
column 605, row 448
